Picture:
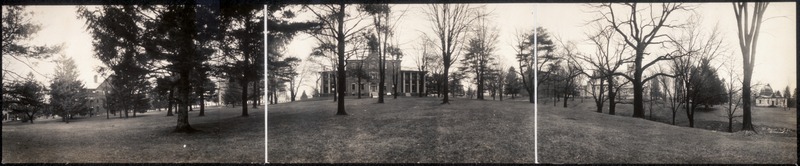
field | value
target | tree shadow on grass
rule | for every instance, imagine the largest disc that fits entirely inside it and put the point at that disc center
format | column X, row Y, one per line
column 224, row 125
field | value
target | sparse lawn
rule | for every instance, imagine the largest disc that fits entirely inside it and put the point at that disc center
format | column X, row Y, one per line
column 224, row 137
column 403, row 130
column 579, row 135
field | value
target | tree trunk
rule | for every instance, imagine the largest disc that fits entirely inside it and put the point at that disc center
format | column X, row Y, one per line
column 446, row 81
column 480, row 87
column 255, row 94
column 244, row 95
column 730, row 124
column 340, row 110
column 690, row 113
column 612, row 104
column 394, row 72
column 531, row 97
column 747, row 123
column 359, row 87
column 202, row 105
column 30, row 118
column 501, row 93
column 171, row 102
column 673, row 116
column 421, row 86
column 183, row 112
column 638, row 88
column 335, row 93
column 599, row 105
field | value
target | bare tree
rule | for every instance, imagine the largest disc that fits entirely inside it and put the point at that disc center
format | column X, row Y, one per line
column 639, row 28
column 333, row 26
column 426, row 59
column 296, row 78
column 609, row 56
column 734, row 97
column 383, row 23
column 570, row 72
column 672, row 90
column 749, row 28
column 450, row 23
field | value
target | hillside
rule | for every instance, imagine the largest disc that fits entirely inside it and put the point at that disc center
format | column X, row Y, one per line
column 580, row 135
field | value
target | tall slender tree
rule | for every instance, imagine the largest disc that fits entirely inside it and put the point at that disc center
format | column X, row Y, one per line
column 242, row 28
column 332, row 19
column 384, row 22
column 748, row 27
column 450, row 24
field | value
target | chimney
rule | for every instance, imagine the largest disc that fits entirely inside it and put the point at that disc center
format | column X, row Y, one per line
column 95, row 78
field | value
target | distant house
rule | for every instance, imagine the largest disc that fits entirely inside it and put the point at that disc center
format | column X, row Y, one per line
column 769, row 98
column 97, row 95
column 624, row 93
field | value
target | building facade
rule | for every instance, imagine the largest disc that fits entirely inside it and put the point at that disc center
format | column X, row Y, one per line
column 409, row 82
column 767, row 98
column 97, row 96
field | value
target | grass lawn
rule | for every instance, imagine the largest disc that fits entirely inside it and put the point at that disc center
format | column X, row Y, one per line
column 403, row 130
column 579, row 135
column 225, row 136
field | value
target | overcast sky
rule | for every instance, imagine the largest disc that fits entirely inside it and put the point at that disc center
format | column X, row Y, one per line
column 776, row 52
column 775, row 62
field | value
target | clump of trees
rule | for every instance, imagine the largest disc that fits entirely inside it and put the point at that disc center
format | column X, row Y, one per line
column 480, row 55
column 535, row 55
column 24, row 97
column 512, row 83
column 174, row 44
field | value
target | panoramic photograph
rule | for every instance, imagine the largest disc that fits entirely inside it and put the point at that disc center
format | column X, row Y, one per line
column 667, row 83
column 159, row 83
column 400, row 83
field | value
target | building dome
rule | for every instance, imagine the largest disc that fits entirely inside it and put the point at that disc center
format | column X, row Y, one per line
column 766, row 91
